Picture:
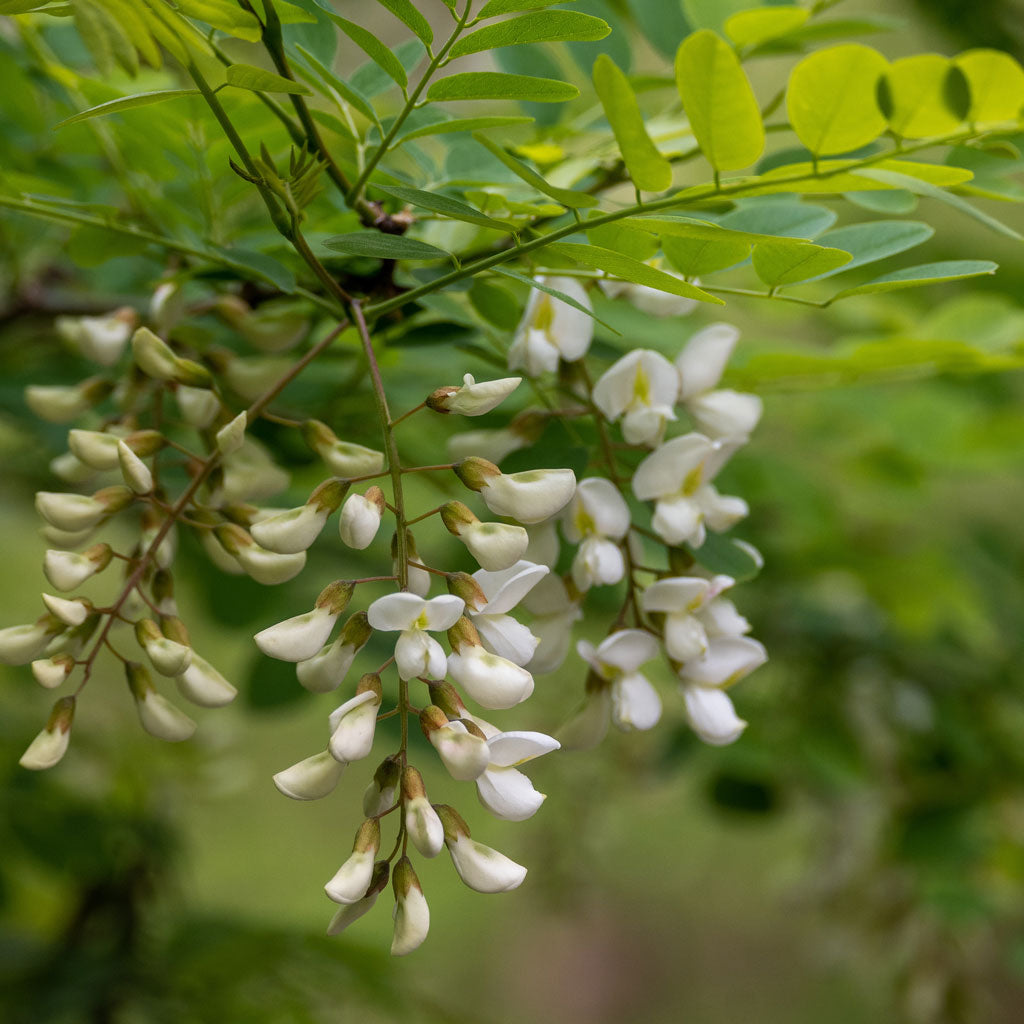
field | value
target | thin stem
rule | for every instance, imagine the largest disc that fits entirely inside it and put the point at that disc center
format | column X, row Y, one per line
column 390, row 445
column 355, row 193
column 426, row 515
column 428, row 469
column 406, row 415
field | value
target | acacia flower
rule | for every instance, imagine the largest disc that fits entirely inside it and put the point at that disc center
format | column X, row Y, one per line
column 302, row 636
column 677, row 477
column 480, row 867
column 529, row 497
column 354, row 723
column 652, row 301
column 596, row 517
column 326, row 670
column 711, row 715
column 312, row 778
column 416, row 653
column 421, row 820
column 293, row 530
column 462, row 751
column 495, row 546
column 99, row 338
column 694, row 612
column 411, row 913
column 202, row 684
column 641, row 387
column 360, row 518
column 502, row 789
column 635, row 704
column 52, row 742
column 472, row 398
column 352, row 879
column 343, row 458
column 551, row 329
column 493, row 682
column 157, row 715
column 500, row 592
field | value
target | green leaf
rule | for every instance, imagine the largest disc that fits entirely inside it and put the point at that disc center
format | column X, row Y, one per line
column 370, row 79
column 620, row 236
column 996, row 84
column 628, row 269
column 896, row 200
column 662, row 24
column 786, row 217
column 246, row 76
column 711, row 14
column 691, row 228
column 565, row 196
column 383, row 246
column 694, row 256
column 914, row 93
column 259, row 265
column 842, row 28
column 496, row 85
column 875, row 240
column 11, row 7
column 926, row 273
column 649, row 170
column 719, row 102
column 548, row 290
column 831, row 99
column 761, row 24
column 140, row 99
column 373, row 48
column 497, row 305
column 493, row 8
column 540, row 27
column 723, row 555
column 448, row 126
column 225, row 15
column 405, row 11
column 438, row 203
column 777, row 264
column 347, row 92
column 831, row 176
column 924, row 188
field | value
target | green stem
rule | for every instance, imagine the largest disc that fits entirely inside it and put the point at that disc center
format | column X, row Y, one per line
column 355, row 194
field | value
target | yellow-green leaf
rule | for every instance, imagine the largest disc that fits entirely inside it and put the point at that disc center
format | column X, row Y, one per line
column 445, row 205
column 496, row 85
column 225, row 15
column 916, row 90
column 693, row 256
column 247, row 76
column 832, row 176
column 718, row 100
column 539, row 27
column 406, row 12
column 832, row 100
column 373, row 48
column 778, row 264
column 761, row 24
column 996, row 84
column 647, row 167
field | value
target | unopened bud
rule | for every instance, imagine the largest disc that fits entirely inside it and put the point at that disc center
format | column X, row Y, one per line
column 51, row 672
column 136, row 473
column 461, row 584
column 475, row 472
column 52, row 743
column 360, row 518
column 381, row 792
column 456, row 517
column 310, row 779
column 70, row 612
column 463, row 634
column 62, row 404
column 157, row 715
column 168, row 657
column 412, row 915
column 231, row 436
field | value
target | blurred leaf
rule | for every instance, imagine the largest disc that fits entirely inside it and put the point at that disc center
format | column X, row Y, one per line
column 996, row 84
column 565, row 196
column 407, row 13
column 777, row 265
column 496, row 85
column 246, row 76
column 721, row 554
column 127, row 103
column 448, row 126
column 442, row 204
column 875, row 240
column 539, row 27
column 259, row 265
column 761, row 24
column 916, row 88
column 927, row 273
column 383, row 246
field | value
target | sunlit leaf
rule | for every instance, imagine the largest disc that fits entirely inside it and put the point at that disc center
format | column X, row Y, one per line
column 760, row 24
column 225, row 15
column 996, row 84
column 777, row 264
column 694, row 256
column 916, row 91
column 647, row 167
column 850, row 117
column 539, row 27
column 719, row 102
column 496, row 85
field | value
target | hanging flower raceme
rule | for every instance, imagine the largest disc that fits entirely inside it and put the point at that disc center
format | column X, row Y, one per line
column 416, row 652
column 641, row 388
column 677, row 477
column 596, row 518
column 551, row 329
column 722, row 412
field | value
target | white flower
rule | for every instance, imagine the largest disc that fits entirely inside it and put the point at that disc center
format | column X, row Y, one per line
column 555, row 613
column 70, row 512
column 202, row 684
column 411, row 913
column 268, row 567
column 51, row 672
column 326, row 670
column 693, row 611
column 642, row 387
column 597, row 515
column 700, row 365
column 472, row 398
column 416, row 653
column 343, row 458
column 480, row 867
column 711, row 715
column 157, row 715
column 20, row 644
column 504, row 790
column 99, row 338
column 725, row 661
column 353, row 725
column 310, row 779
column 493, row 682
column 652, row 301
column 552, row 329
column 168, row 657
column 71, row 613
column 462, row 752
column 60, row 403
column 350, row 913
column 531, row 496
column 51, row 743
column 360, row 518
column 302, row 636
column 352, row 879
column 635, row 704
column 422, row 823
column 292, row 530
column 677, row 477
column 499, row 632
column 495, row 546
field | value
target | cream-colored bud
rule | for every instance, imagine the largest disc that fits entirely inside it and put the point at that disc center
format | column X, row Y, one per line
column 70, row 612
column 231, row 436
column 202, row 684
column 422, row 823
column 157, row 715
column 495, row 546
column 412, row 916
column 472, row 398
column 168, row 657
column 464, row 754
column 344, row 458
column 73, row 512
column 61, row 404
column 156, row 359
column 52, row 743
column 290, row 531
column 20, row 644
column 326, row 670
column 266, row 567
column 353, row 878
column 531, row 496
column 461, row 584
column 51, row 672
column 310, row 779
column 360, row 518
column 353, row 724
column 199, row 406
column 136, row 473
column 380, row 794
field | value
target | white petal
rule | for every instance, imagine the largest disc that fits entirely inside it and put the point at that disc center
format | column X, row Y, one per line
column 311, row 778
column 646, row 425
column 412, row 922
column 476, row 398
column 46, row 749
column 508, row 794
column 597, row 507
column 635, row 703
column 495, row 546
column 202, row 684
column 627, row 649
column 443, row 611
column 702, row 362
column 531, row 496
column 506, row 588
column 721, row 618
column 290, row 531
column 67, row 569
column 508, row 749
column 506, row 637
column 424, row 826
column 725, row 413
column 667, row 468
column 726, row 661
column 491, row 681
column 395, row 611
column 463, row 754
column 353, row 730
column 685, row 636
column 346, row 459
column 484, row 869
column 350, row 913
column 352, row 879
column 598, row 562
column 268, row 567
column 326, row 670
column 721, row 511
column 711, row 715
column 679, row 521
column 416, row 654
column 160, row 718
column 359, row 522
column 297, row 638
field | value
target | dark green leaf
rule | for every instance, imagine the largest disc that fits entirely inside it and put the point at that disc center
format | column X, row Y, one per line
column 384, row 247
column 450, row 125
column 442, row 204
column 495, row 85
column 497, row 305
column 540, row 27
column 346, row 90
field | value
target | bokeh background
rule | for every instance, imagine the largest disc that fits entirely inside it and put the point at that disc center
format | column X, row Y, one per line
column 857, row 857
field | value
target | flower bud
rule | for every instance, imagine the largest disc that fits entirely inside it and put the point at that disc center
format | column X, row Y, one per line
column 67, row 569
column 266, row 567
column 711, row 715
column 231, row 436
column 168, row 657
column 301, row 637
column 99, row 338
column 52, row 743
column 79, row 512
column 461, row 584
column 295, row 529
column 495, row 546
column 531, row 496
column 275, row 326
column 156, row 359
column 352, row 879
column 202, row 684
column 20, row 644
column 62, row 404
column 381, row 792
column 158, row 716
column 199, row 406
column 412, row 916
column 343, row 458
column 463, row 754
column 418, row 579
column 480, row 867
column 51, row 672
column 136, row 473
column 491, row 681
column 473, row 399
column 326, row 670
column 311, row 778
column 71, row 613
column 351, row 912
column 360, row 518
column 353, row 724
column 475, row 472
column 421, row 821
column 447, row 698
